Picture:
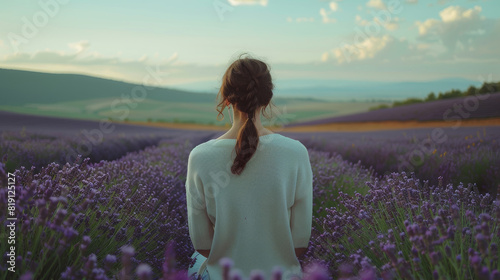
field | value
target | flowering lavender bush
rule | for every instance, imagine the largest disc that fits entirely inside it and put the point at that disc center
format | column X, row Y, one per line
column 333, row 175
column 68, row 212
column 405, row 229
column 76, row 220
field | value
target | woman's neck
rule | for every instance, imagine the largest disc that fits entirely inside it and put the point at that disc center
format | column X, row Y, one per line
column 239, row 119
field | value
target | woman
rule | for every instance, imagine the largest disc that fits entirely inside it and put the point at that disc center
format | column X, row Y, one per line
column 249, row 192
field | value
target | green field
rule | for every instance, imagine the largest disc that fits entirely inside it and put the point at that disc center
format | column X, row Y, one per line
column 202, row 113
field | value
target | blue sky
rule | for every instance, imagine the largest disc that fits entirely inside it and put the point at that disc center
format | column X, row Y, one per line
column 194, row 41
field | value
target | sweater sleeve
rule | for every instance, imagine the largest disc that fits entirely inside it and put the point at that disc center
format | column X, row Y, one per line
column 200, row 227
column 301, row 210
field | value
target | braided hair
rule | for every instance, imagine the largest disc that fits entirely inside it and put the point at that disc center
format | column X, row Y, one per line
column 247, row 84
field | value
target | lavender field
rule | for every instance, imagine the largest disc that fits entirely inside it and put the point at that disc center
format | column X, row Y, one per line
column 462, row 155
column 36, row 141
column 396, row 101
column 98, row 219
column 453, row 110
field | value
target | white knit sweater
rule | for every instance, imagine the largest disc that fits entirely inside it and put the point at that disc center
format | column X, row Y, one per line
column 256, row 218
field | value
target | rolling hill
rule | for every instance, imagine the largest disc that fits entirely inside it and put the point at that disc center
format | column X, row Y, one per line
column 84, row 97
column 24, row 87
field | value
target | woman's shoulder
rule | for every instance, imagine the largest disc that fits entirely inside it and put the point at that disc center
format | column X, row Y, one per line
column 284, row 142
column 293, row 142
column 201, row 148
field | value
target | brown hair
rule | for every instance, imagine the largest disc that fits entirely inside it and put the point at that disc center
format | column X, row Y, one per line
column 247, row 84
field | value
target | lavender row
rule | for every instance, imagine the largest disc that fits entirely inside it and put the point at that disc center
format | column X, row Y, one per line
column 471, row 107
column 67, row 212
column 29, row 149
column 404, row 228
column 465, row 155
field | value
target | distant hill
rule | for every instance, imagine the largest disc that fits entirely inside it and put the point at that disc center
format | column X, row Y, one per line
column 22, row 87
column 348, row 90
column 428, row 111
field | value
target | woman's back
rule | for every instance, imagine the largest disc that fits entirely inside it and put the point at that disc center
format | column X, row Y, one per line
column 256, row 218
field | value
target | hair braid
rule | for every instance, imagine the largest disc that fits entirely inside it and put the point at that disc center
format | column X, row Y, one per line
column 247, row 84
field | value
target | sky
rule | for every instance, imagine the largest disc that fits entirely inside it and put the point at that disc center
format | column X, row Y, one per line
column 188, row 42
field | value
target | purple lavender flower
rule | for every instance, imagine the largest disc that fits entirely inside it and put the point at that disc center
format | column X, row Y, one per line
column 276, row 273
column 226, row 264
column 483, row 273
column 109, row 261
column 235, row 274
column 482, row 243
column 435, row 257
column 435, row 275
column 317, row 271
column 495, row 275
column 256, row 275
column 26, row 276
column 144, row 271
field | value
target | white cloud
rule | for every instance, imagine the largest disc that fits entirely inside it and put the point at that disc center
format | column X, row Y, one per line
column 324, row 15
column 377, row 4
column 385, row 48
column 361, row 51
column 424, row 27
column 334, row 6
column 247, row 2
column 462, row 32
column 93, row 64
column 360, row 21
column 79, row 47
column 457, row 13
column 453, row 18
column 304, row 19
column 391, row 25
column 443, row 2
column 300, row 19
column 325, row 56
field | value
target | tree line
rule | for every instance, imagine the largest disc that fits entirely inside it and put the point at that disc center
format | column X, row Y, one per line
column 454, row 93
